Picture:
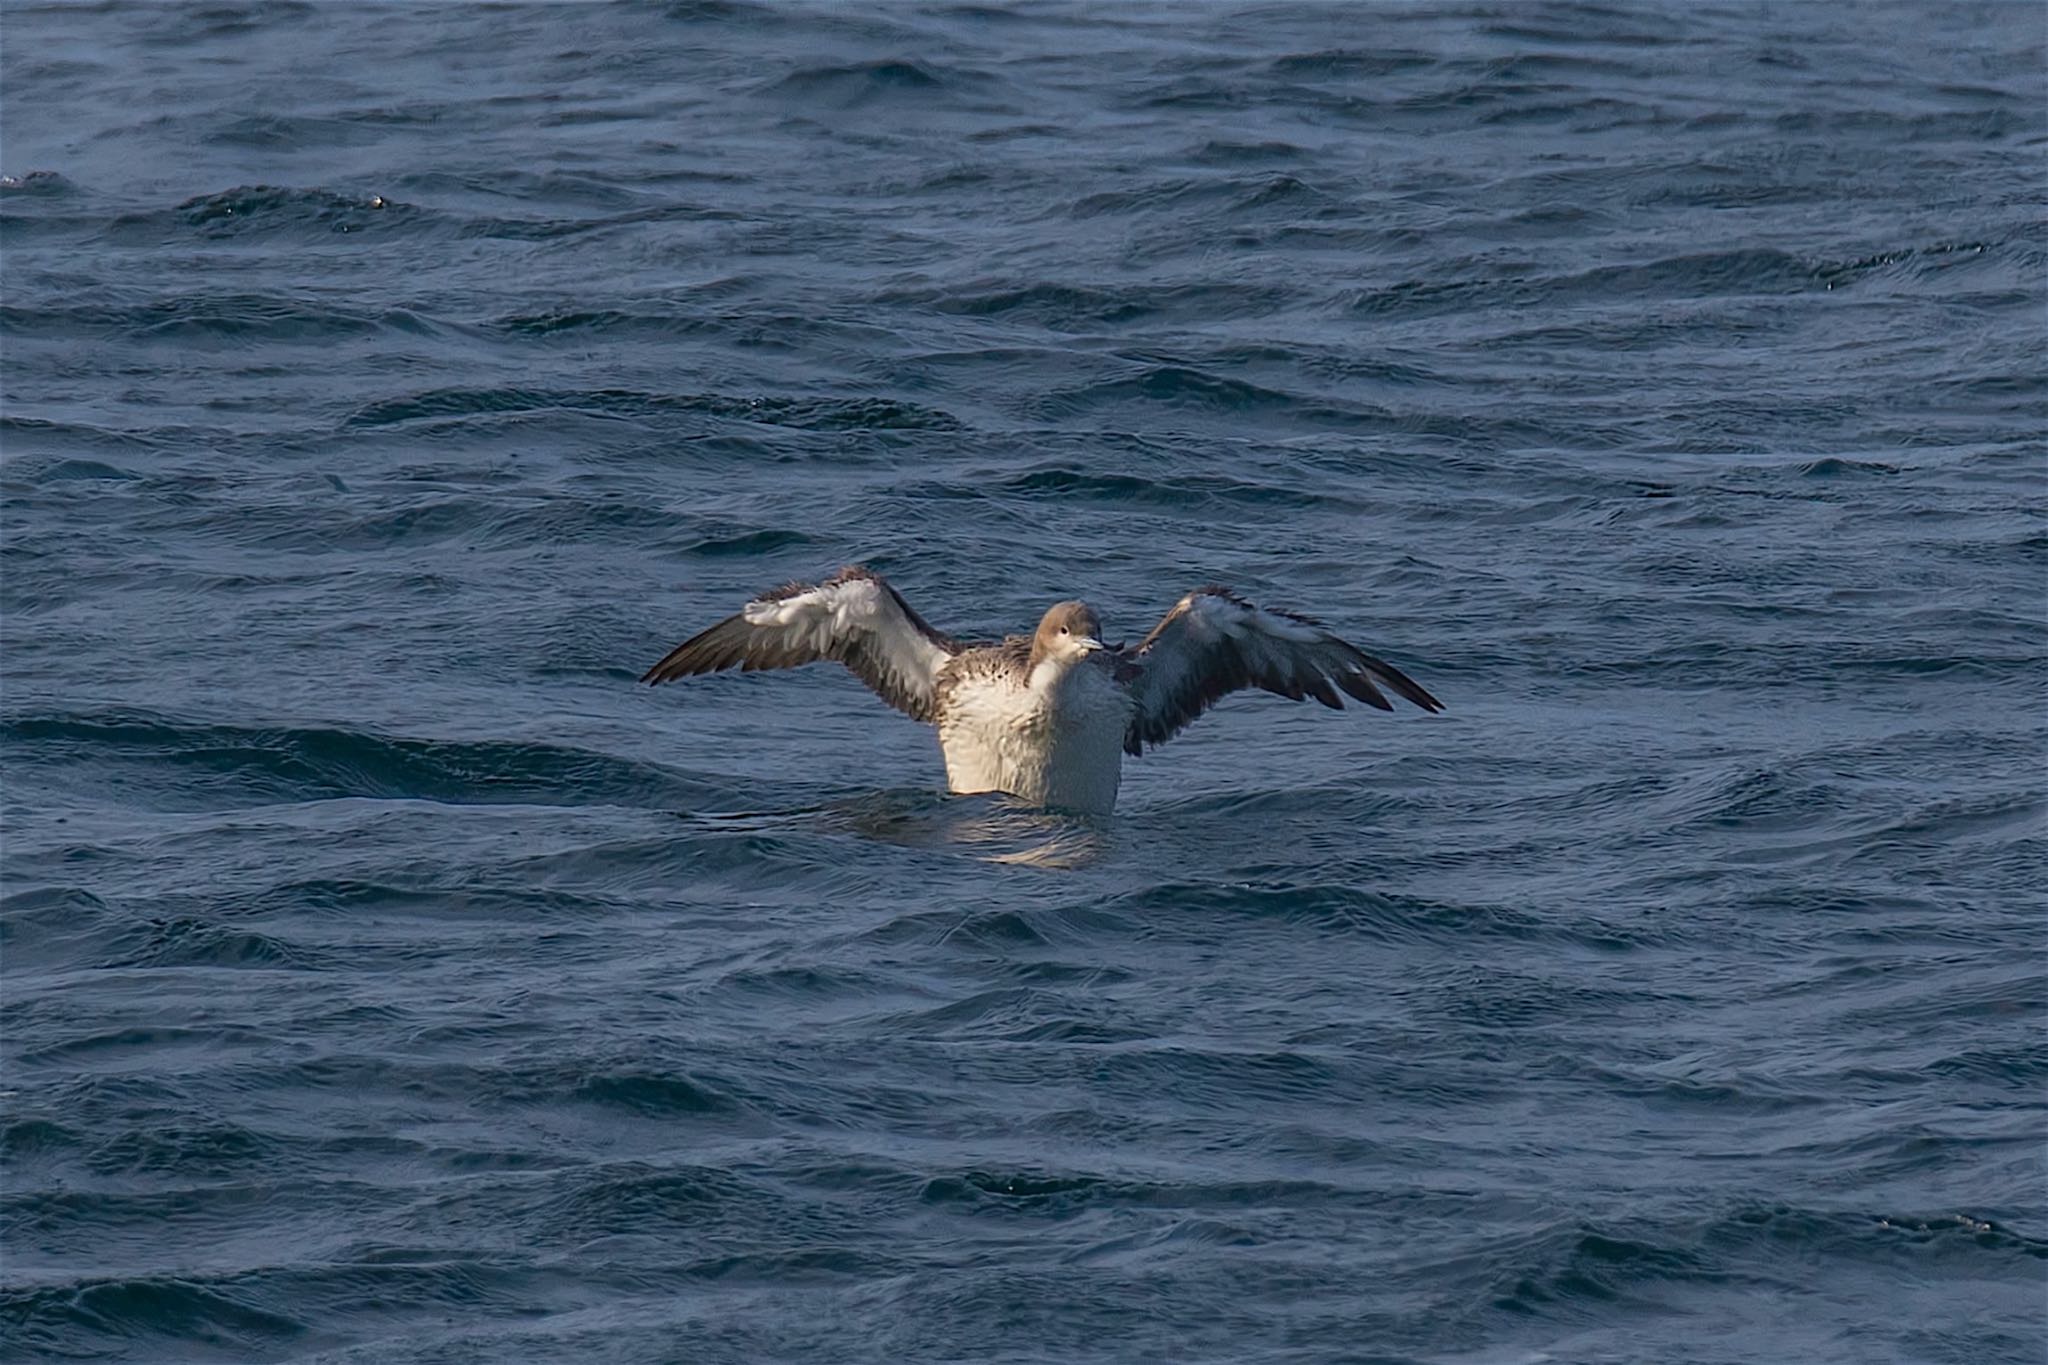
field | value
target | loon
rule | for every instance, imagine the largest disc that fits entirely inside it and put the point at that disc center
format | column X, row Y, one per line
column 1046, row 719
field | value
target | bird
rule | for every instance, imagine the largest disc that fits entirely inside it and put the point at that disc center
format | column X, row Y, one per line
column 1046, row 718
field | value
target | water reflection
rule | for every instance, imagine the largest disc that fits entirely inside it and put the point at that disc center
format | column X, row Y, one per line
column 993, row 827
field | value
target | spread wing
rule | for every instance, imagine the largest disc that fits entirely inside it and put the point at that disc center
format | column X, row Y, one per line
column 854, row 618
column 1214, row 643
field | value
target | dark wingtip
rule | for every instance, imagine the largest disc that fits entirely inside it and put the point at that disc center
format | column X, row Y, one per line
column 1420, row 695
column 1359, row 686
column 661, row 672
column 1395, row 681
column 1320, row 689
column 705, row 652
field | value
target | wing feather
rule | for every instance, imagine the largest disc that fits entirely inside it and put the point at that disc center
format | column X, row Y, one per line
column 1214, row 643
column 853, row 618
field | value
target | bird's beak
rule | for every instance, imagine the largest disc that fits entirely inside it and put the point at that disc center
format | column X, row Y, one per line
column 1088, row 644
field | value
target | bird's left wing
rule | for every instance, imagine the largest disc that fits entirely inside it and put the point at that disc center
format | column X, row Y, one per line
column 854, row 618
column 1214, row 643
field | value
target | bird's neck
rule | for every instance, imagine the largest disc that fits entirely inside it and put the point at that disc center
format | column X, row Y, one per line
column 1047, row 672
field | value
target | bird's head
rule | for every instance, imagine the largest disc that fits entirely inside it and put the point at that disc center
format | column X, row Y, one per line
column 1068, row 633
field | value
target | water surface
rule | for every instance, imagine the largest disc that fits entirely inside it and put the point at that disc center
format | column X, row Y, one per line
column 387, row 978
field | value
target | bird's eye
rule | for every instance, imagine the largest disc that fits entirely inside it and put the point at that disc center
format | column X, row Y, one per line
column 1063, row 630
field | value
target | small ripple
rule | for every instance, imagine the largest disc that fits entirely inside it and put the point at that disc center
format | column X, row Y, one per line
column 1067, row 483
column 651, row 1094
column 187, row 1151
column 1337, row 909
column 46, row 184
column 263, row 209
column 888, row 83
column 1567, row 1271
column 1200, row 391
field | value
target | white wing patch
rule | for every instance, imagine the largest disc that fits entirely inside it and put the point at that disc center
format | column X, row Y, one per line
column 817, row 617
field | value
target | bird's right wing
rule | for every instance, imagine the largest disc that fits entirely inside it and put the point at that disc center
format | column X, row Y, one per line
column 854, row 618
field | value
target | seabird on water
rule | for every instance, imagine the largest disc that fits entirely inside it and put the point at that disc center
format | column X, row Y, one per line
column 1047, row 719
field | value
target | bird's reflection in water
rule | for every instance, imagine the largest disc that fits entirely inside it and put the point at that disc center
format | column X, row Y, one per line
column 994, row 827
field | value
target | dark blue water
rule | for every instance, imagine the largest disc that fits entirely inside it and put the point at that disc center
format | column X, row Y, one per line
column 387, row 978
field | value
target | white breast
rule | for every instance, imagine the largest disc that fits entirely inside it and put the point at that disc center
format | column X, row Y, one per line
column 1055, row 739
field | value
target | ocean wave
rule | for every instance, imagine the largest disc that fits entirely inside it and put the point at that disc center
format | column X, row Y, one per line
column 238, row 318
column 1079, row 307
column 1189, row 387
column 153, row 1313
column 1067, row 484
column 811, row 414
column 1336, row 909
column 197, row 764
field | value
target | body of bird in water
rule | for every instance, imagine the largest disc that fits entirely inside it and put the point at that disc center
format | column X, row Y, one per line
column 1046, row 718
